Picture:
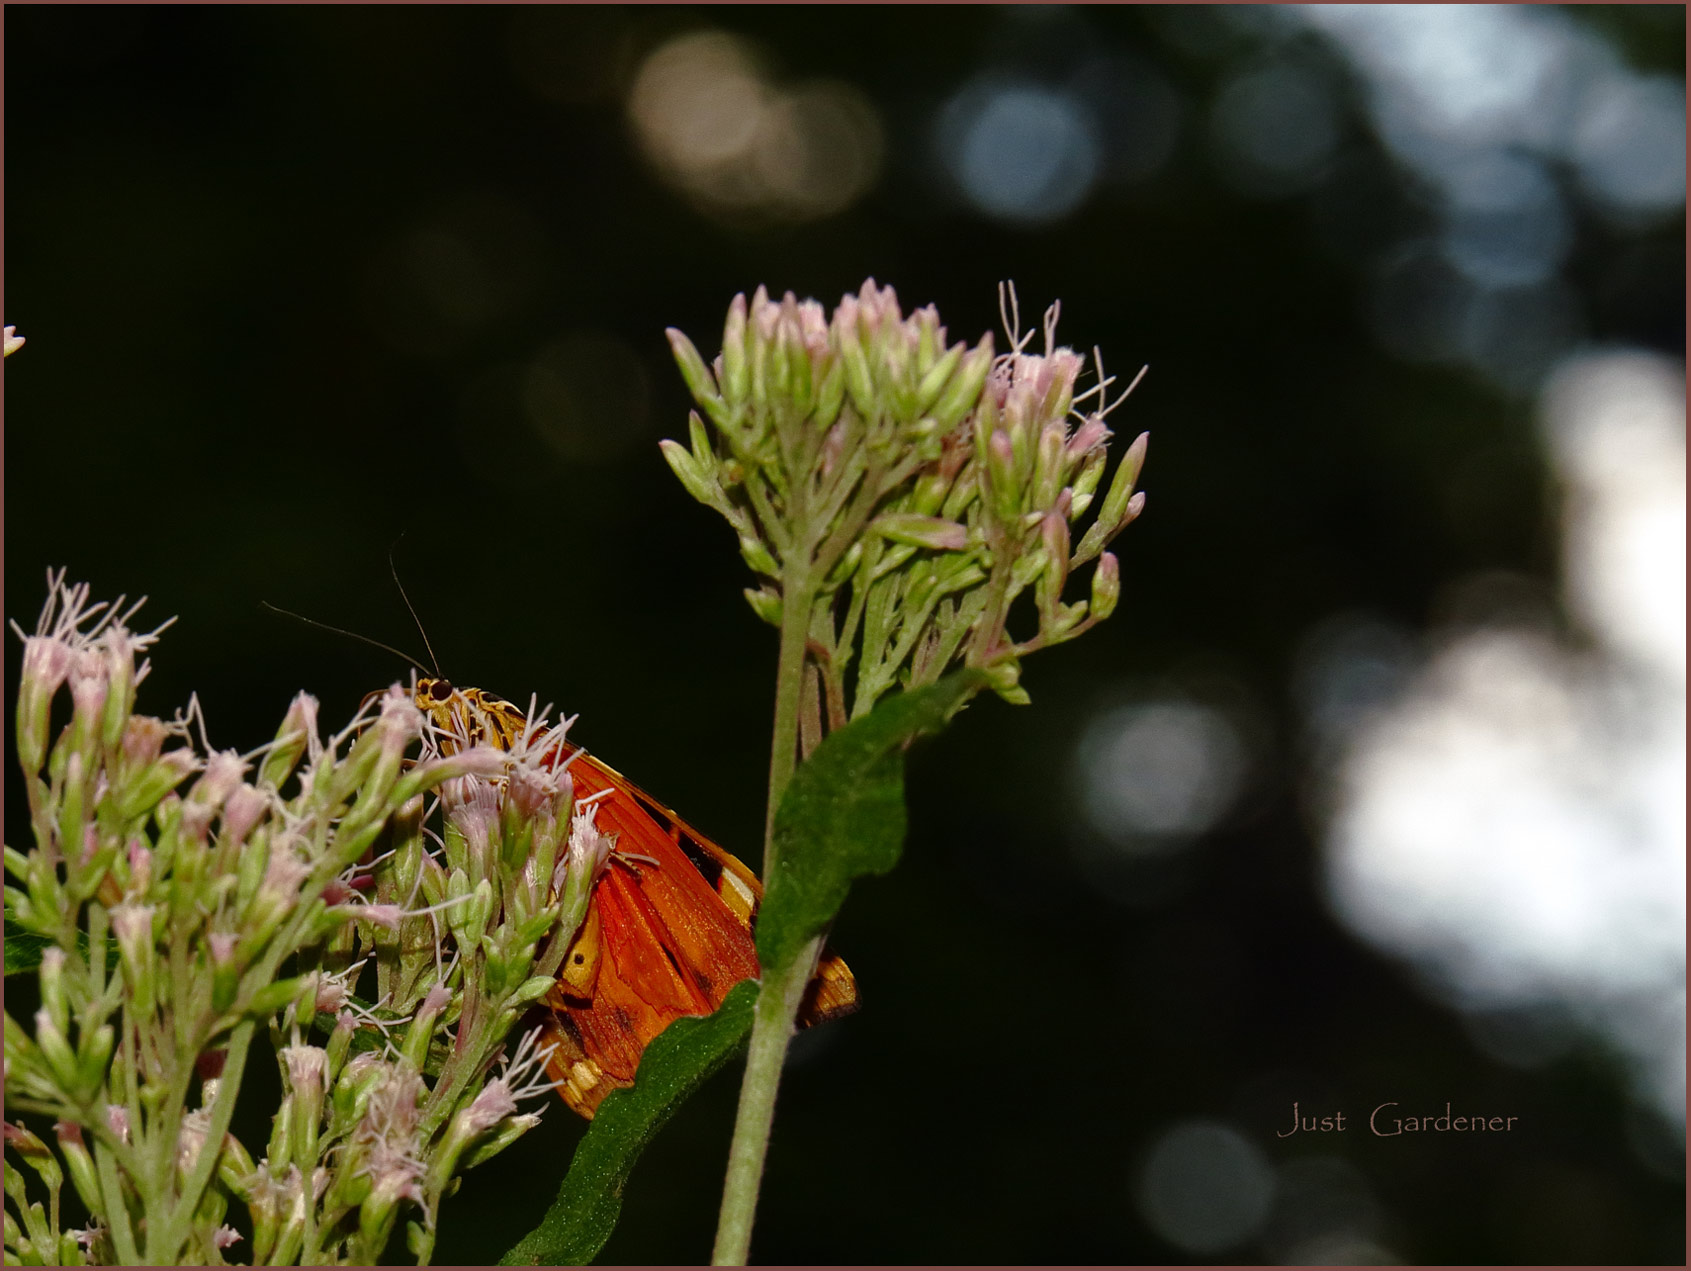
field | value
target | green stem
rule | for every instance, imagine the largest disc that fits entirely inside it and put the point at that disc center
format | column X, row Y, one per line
column 772, row 1028
column 797, row 596
column 117, row 1213
column 165, row 1240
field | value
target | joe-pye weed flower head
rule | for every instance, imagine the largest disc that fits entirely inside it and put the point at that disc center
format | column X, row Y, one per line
column 192, row 899
column 896, row 493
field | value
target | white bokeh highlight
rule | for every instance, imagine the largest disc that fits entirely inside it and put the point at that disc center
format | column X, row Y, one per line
column 1514, row 823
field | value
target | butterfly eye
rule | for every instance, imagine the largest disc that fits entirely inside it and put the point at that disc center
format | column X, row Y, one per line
column 440, row 690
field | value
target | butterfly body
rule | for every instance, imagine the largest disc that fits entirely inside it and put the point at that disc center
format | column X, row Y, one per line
column 669, row 926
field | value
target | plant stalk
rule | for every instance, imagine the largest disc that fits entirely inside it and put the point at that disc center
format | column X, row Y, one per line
column 772, row 1029
column 797, row 598
column 783, row 989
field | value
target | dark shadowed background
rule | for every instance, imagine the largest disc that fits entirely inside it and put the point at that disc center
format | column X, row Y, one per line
column 1371, row 791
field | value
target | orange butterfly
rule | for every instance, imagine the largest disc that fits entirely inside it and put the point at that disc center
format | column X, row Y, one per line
column 668, row 930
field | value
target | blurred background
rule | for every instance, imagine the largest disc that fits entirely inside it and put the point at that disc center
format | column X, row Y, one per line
column 1373, row 789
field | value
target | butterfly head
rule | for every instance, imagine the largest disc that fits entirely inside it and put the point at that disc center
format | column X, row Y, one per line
column 468, row 715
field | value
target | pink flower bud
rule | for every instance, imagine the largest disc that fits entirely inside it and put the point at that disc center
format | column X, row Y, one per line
column 242, row 811
column 436, row 1000
column 195, row 821
column 301, row 717
column 1093, row 433
column 117, row 1120
column 388, row 917
column 46, row 663
column 489, row 1108
column 88, row 684
column 529, row 791
column 140, row 866
column 222, row 777
column 142, row 737
column 306, row 1065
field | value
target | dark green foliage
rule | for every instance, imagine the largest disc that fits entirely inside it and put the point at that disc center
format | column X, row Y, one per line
column 590, row 1199
column 843, row 815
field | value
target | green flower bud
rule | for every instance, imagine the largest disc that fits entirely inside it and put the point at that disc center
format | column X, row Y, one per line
column 530, row 990
column 278, row 996
column 293, row 738
column 35, row 1154
column 1106, row 586
column 735, row 378
column 1048, row 468
column 512, row 1129
column 56, row 1052
column 79, row 1164
column 699, row 380
column 859, row 382
column 420, row 1031
column 1054, row 535
column 1115, row 515
column 1001, row 478
column 922, row 531
column 280, row 1147
column 143, row 792
column 830, row 394
column 755, row 554
column 936, row 379
column 52, row 975
column 962, row 392
column 94, row 1057
column 306, row 1067
column 1086, row 483
column 1004, row 678
column 765, row 603
column 132, row 925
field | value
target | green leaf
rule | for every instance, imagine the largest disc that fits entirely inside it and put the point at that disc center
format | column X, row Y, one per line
column 25, row 947
column 676, row 1063
column 842, row 816
column 23, row 950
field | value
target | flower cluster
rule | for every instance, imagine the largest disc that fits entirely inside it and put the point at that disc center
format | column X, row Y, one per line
column 897, row 494
column 177, row 925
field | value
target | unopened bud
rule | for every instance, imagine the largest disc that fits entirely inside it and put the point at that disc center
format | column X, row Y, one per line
column 735, row 379
column 34, row 1153
column 143, row 735
column 56, row 1051
column 242, row 811
column 294, row 738
column 1001, row 473
column 689, row 473
column 758, row 556
column 52, row 975
column 79, row 1164
column 132, row 925
column 765, row 603
column 922, row 531
column 1004, row 678
column 420, row 1032
column 221, row 778
column 699, row 380
column 1106, row 586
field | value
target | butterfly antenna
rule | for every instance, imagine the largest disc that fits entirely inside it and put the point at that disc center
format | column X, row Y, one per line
column 351, row 635
column 394, row 570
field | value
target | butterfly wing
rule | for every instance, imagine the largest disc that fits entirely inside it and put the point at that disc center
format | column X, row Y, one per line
column 833, row 990
column 669, row 928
